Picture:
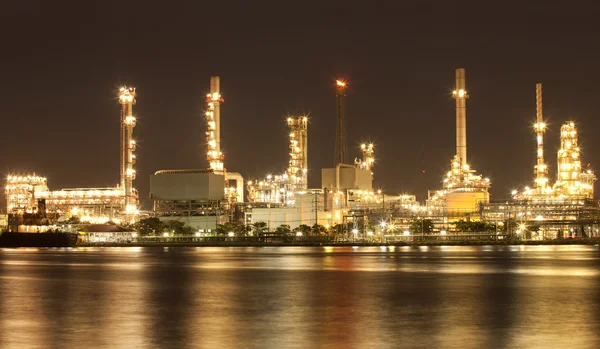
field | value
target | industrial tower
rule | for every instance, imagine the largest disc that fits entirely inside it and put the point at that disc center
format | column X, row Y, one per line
column 127, row 100
column 213, row 118
column 541, row 170
column 298, row 167
column 572, row 179
column 460, row 94
column 463, row 189
column 340, row 140
column 368, row 157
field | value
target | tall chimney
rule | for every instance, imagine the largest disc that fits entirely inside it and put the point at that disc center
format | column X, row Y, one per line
column 541, row 181
column 213, row 116
column 460, row 94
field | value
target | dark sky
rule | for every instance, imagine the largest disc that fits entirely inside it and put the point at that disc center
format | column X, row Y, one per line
column 62, row 62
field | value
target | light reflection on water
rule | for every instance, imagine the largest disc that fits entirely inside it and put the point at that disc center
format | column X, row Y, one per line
column 301, row 297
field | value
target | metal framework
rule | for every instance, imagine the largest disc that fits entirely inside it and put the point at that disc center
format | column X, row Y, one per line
column 130, row 200
column 281, row 189
column 571, row 178
column 21, row 192
column 541, row 170
column 298, row 167
column 272, row 189
column 546, row 218
column 340, row 140
column 368, row 157
column 213, row 118
column 190, row 208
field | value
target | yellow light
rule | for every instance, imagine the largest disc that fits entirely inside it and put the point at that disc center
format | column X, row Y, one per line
column 340, row 83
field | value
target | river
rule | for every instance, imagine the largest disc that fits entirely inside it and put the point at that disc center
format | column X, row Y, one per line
column 301, row 297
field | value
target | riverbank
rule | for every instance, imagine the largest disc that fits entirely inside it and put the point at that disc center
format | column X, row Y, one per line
column 594, row 241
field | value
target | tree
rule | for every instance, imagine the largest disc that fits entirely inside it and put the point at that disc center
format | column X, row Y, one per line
column 177, row 227
column 421, row 226
column 336, row 229
column 149, row 226
column 260, row 227
column 284, row 229
column 317, row 229
column 462, row 226
column 226, row 228
column 302, row 228
column 243, row 229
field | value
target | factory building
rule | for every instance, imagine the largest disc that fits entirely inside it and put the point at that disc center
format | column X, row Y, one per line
column 32, row 206
column 345, row 189
column 195, row 197
column 285, row 199
column 203, row 199
column 463, row 190
column 281, row 189
column 565, row 209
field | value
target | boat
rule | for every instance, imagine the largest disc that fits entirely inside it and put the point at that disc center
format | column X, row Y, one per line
column 54, row 239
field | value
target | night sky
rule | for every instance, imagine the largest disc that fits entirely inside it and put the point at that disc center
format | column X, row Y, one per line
column 62, row 62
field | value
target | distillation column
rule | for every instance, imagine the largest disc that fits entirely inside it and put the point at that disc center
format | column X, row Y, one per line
column 127, row 100
column 541, row 181
column 460, row 94
column 340, row 140
column 213, row 118
column 368, row 157
column 298, row 168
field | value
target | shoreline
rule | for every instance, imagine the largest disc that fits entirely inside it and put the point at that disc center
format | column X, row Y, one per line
column 594, row 241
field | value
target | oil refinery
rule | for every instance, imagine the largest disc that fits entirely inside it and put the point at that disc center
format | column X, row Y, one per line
column 32, row 207
column 346, row 205
column 463, row 189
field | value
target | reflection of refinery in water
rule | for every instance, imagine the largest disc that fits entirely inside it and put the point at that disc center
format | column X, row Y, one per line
column 204, row 198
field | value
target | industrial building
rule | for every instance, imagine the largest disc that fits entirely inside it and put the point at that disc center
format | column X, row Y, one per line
column 33, row 207
column 565, row 209
column 281, row 189
column 463, row 190
column 208, row 197
column 202, row 199
column 346, row 195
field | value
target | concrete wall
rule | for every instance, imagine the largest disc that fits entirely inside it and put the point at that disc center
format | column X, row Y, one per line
column 187, row 186
column 303, row 213
column 275, row 217
column 350, row 178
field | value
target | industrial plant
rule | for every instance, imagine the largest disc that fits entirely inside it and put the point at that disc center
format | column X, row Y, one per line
column 201, row 198
column 345, row 206
column 33, row 207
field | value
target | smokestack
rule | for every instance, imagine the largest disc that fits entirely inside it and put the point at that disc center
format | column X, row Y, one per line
column 540, row 127
column 340, row 139
column 127, row 100
column 215, row 90
column 460, row 94
column 213, row 117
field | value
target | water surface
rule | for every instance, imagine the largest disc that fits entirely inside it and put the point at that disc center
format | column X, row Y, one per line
column 301, row 297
